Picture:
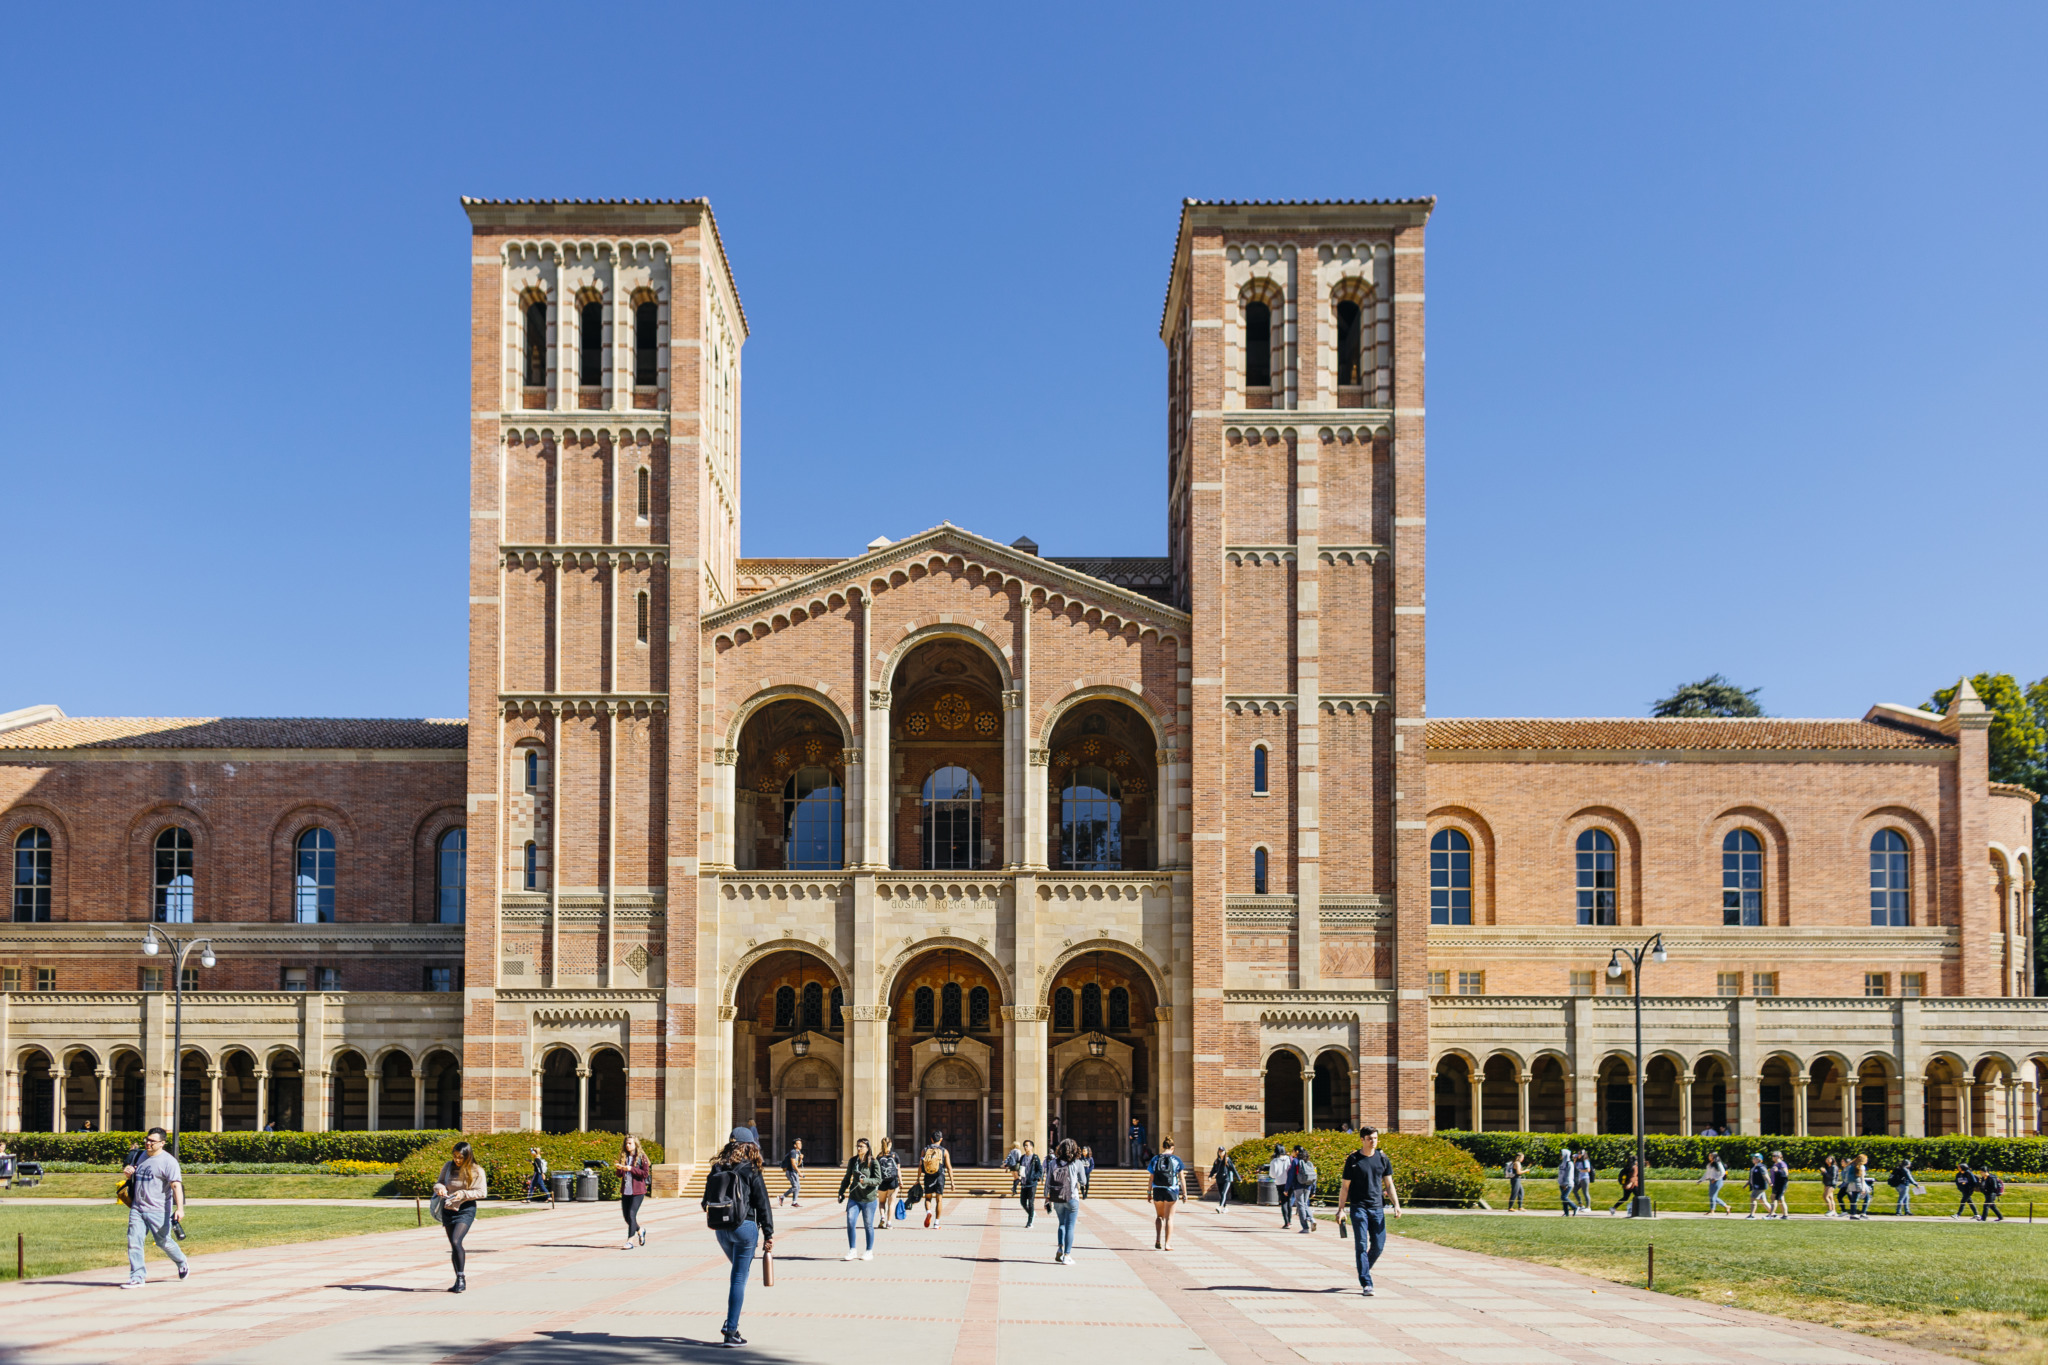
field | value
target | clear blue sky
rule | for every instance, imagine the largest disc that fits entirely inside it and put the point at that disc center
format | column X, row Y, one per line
column 1736, row 314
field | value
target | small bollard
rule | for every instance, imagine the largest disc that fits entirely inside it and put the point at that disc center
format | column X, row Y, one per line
column 419, row 1218
column 20, row 1255
column 1650, row 1278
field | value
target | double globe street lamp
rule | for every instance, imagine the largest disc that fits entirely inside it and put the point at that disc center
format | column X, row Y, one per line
column 155, row 940
column 1638, row 1207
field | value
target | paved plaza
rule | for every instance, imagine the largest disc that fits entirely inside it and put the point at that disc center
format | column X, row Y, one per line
column 548, row 1286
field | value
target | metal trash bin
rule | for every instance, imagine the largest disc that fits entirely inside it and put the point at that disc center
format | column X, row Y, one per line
column 586, row 1183
column 1269, row 1193
column 564, row 1182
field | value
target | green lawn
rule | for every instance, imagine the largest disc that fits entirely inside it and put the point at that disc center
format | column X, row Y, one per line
column 88, row 1186
column 1803, row 1196
column 63, row 1239
column 1964, row 1288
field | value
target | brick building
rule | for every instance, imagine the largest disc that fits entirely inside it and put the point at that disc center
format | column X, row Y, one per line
column 952, row 834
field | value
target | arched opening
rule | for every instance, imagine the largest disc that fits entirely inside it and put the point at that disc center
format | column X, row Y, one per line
column 287, row 1093
column 81, row 1093
column 1258, row 353
column 1113, row 1018
column 1547, row 1096
column 1616, row 1088
column 607, row 1091
column 238, row 1092
column 348, row 1093
column 788, row 1000
column 1828, row 1100
column 1774, row 1100
column 946, row 742
column 1332, row 1092
column 38, row 1093
column 444, row 1090
column 1452, row 1093
column 646, row 335
column 1990, row 1115
column 33, row 862
column 789, row 790
column 1102, row 768
column 451, row 876
column 590, row 348
column 1660, row 1095
column 534, row 369
column 561, row 1091
column 1500, row 1098
column 195, row 1098
column 1873, row 1099
column 124, row 1094
column 1939, row 1110
column 1709, row 1095
column 394, row 1091
column 1283, row 1093
column 933, row 1007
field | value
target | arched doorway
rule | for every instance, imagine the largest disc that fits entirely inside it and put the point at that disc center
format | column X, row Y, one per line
column 1500, row 1099
column 82, row 1093
column 1547, row 1095
column 124, row 1094
column 946, row 1005
column 394, row 1091
column 444, row 1090
column 1617, row 1091
column 561, row 1091
column 1101, row 774
column 38, row 1093
column 1710, row 1095
column 195, row 1094
column 1989, row 1116
column 1094, row 1097
column 1104, row 1008
column 238, row 1092
column 1873, row 1098
column 1332, row 1091
column 1283, row 1093
column 946, row 739
column 287, row 1092
column 789, row 790
column 348, row 1093
column 1660, row 1095
column 783, row 998
column 1775, row 1103
column 1939, row 1111
column 607, row 1091
column 1453, row 1093
column 1829, row 1099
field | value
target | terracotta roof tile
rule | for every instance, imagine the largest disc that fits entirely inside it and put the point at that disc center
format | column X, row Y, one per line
column 1448, row 735
column 2014, row 789
column 235, row 732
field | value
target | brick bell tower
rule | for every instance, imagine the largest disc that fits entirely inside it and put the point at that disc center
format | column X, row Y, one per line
column 604, row 520
column 1295, row 532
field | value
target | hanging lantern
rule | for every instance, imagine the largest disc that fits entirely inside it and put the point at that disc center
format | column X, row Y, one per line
column 801, row 1044
column 1097, row 1045
column 949, row 1041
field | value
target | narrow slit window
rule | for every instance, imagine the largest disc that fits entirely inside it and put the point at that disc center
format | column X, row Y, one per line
column 32, row 867
column 1258, row 345
column 1891, row 902
column 1258, row 872
column 174, row 884
column 591, row 344
column 532, row 866
column 533, row 769
column 1350, row 336
column 1742, row 879
column 452, row 877
column 1259, row 770
column 645, row 318
column 645, row 501
column 536, row 345
column 313, row 882
column 642, row 608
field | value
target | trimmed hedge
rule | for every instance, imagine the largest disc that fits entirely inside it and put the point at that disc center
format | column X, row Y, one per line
column 1427, row 1170
column 1611, row 1149
column 388, row 1147
column 507, row 1165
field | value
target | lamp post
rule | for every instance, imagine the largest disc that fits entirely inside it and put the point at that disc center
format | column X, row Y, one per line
column 153, row 941
column 1638, row 1207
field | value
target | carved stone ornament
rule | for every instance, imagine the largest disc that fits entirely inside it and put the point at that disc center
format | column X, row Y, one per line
column 868, row 1012
column 1040, row 757
column 726, row 1013
column 725, row 757
column 1027, row 1014
column 878, row 698
column 1013, row 697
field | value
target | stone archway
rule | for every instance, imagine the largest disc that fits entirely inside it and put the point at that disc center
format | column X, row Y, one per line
column 947, row 995
column 784, row 994
column 1101, row 774
column 946, row 743
column 1282, row 1095
column 1451, row 1093
column 806, row 1102
column 789, row 789
column 1103, row 1004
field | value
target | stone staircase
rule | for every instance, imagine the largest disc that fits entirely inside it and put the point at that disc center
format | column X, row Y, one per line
column 970, row 1182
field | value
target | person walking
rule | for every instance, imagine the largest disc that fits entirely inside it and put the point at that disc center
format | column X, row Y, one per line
column 537, row 1180
column 156, row 1185
column 1781, row 1180
column 1991, row 1187
column 1582, row 1176
column 1302, row 1176
column 1224, row 1174
column 1087, row 1169
column 1365, row 1191
column 934, row 1165
column 892, row 1180
column 1030, row 1170
column 1514, row 1172
column 1134, row 1146
column 1280, row 1170
column 1715, row 1174
column 793, row 1172
column 859, row 1189
column 1759, row 1185
column 1010, row 1163
column 462, row 1183
column 1966, row 1190
column 1631, row 1181
column 1859, row 1189
column 1168, row 1181
column 636, row 1177
column 1905, row 1183
column 1567, row 1178
column 1830, row 1177
column 736, row 1207
column 1063, row 1186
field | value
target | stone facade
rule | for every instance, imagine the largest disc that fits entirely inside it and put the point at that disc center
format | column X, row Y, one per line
column 952, row 834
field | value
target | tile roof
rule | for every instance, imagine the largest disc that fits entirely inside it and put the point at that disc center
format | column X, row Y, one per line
column 234, row 732
column 2014, row 789
column 1448, row 735
column 1427, row 203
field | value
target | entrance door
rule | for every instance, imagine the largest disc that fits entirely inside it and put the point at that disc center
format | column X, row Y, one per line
column 959, row 1121
column 817, row 1123
column 1092, row 1123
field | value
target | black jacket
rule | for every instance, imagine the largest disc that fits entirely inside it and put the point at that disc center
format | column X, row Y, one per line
column 754, row 1201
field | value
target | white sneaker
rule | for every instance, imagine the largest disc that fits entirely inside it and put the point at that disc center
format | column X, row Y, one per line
column 867, row 1255
column 134, row 1284
column 851, row 1255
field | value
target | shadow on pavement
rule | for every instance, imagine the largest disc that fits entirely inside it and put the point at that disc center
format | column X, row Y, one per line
column 582, row 1348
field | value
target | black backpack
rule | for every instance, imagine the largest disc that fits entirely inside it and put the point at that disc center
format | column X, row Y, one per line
column 725, row 1198
column 1994, row 1185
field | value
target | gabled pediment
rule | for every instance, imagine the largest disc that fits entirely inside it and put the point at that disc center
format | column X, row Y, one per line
column 944, row 546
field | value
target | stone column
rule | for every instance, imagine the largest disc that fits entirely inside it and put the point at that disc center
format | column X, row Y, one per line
column 1912, row 1105
column 867, row 1039
column 728, row 1046
column 877, row 807
column 419, row 1099
column 1308, row 1099
column 1847, row 1090
column 315, row 1103
column 1748, row 1101
column 1016, row 793
column 1168, row 1120
column 1800, row 1090
column 2028, row 1116
column 262, row 1098
column 106, row 1088
column 1685, row 1082
column 10, row 1099
column 1965, row 1094
column 373, row 1085
column 1478, row 1082
column 213, row 1117
column 724, row 817
column 981, row 1158
column 60, row 1098
column 1522, row 1080
column 1027, row 1069
column 582, row 1099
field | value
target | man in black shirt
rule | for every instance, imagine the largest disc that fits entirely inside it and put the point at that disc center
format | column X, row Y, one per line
column 1364, row 1193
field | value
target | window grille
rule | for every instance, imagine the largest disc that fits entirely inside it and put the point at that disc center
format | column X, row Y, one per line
column 924, row 1011
column 952, row 820
column 1890, row 881
column 1912, row 985
column 1763, row 983
column 1439, row 983
column 977, row 1010
column 1091, row 821
column 1091, row 1008
column 813, row 824
column 1471, row 983
column 174, row 868
column 1119, row 1010
column 32, row 869
column 1742, row 878
column 949, row 1007
column 1727, row 983
column 640, row 607
column 452, row 877
column 646, row 499
column 440, row 980
column 313, row 882
column 1597, row 879
column 1450, row 878
column 1063, row 1010
column 1877, row 983
column 46, row 978
column 814, row 1004
column 785, row 1009
column 1581, row 983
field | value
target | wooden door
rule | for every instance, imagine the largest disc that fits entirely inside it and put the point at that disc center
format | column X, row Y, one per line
column 817, row 1123
column 959, row 1121
column 1092, row 1123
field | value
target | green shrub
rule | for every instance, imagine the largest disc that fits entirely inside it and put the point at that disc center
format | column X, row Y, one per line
column 1610, row 1150
column 507, row 1165
column 1427, row 1170
column 389, row 1146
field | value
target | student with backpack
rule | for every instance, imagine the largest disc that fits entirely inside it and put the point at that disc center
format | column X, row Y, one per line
column 1301, row 1178
column 1830, row 1176
column 1513, row 1171
column 859, row 1189
column 933, row 1166
column 1224, row 1174
column 1781, row 1179
column 793, row 1172
column 1903, row 1181
column 1087, row 1169
column 1966, row 1189
column 1630, row 1184
column 1582, row 1175
column 1567, row 1178
column 1063, row 1185
column 1011, row 1162
column 1167, row 1191
column 1857, row 1186
column 1991, row 1185
column 892, row 1180
column 737, row 1211
column 537, row 1182
column 1759, row 1185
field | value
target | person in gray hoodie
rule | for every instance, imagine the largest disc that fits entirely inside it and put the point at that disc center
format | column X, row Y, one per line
column 1567, row 1176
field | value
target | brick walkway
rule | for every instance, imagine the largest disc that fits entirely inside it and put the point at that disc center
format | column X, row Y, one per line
column 982, row 1290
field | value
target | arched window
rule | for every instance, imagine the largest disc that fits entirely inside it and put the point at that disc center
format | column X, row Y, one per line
column 1891, row 896
column 646, row 499
column 533, row 770
column 952, row 820
column 1063, row 1010
column 1450, row 877
column 640, row 606
column 590, row 340
column 977, row 1010
column 785, row 1009
column 1258, row 770
column 1742, row 878
column 838, row 1009
column 1091, row 1008
column 313, row 882
column 536, row 345
column 532, row 866
column 1350, row 345
column 644, row 334
column 813, row 832
column 32, row 866
column 1092, row 821
column 174, row 898
column 1119, row 1010
column 949, row 1005
column 922, row 1011
column 1258, row 345
column 451, row 868
column 1258, row 872
column 1596, row 877
column 814, row 1004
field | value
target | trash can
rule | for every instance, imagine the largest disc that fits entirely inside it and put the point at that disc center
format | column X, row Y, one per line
column 1269, row 1193
column 564, row 1182
column 586, row 1183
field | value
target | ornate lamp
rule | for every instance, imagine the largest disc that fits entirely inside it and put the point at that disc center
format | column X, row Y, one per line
column 1098, row 1044
column 948, row 1036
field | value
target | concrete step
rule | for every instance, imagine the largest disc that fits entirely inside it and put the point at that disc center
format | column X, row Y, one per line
column 968, row 1182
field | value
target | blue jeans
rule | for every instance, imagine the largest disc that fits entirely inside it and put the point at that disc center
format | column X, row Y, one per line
column 739, row 1245
column 1308, row 1217
column 1905, row 1201
column 1515, row 1200
column 795, row 1186
column 1714, row 1197
column 1369, row 1236
column 1067, row 1212
column 1564, row 1195
column 157, row 1224
column 1223, row 1194
column 1029, row 1199
column 864, row 1214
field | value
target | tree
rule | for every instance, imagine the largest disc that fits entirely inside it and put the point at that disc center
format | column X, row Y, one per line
column 2019, row 754
column 1711, row 696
